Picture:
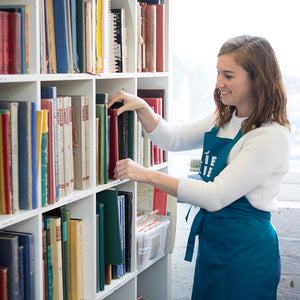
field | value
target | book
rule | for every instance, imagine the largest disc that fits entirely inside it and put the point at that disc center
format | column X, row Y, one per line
column 21, row 271
column 88, row 36
column 112, row 237
column 39, row 116
column 45, row 271
column 100, row 246
column 34, row 156
column 80, row 26
column 98, row 36
column 76, row 259
column 15, row 53
column 49, row 268
column 160, row 37
column 3, row 283
column 74, row 34
column 67, row 146
column 4, row 162
column 113, row 141
column 64, row 216
column 60, row 142
column 79, row 140
column 9, row 259
column 44, row 158
column 150, row 44
column 87, row 143
column 12, row 107
column 126, row 134
column 128, row 227
column 23, row 38
column 2, row 42
column 26, row 240
column 49, row 102
column 5, row 34
column 103, row 136
column 120, row 269
column 60, row 15
column 50, row 37
column 120, row 39
column 70, row 36
column 157, row 106
column 56, row 255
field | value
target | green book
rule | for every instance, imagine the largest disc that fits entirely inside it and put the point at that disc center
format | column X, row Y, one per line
column 112, row 237
column 44, row 168
column 100, row 246
column 101, row 113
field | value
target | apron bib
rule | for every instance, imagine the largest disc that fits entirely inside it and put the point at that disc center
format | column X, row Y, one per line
column 238, row 256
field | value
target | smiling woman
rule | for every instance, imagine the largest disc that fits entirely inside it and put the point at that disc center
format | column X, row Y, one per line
column 195, row 58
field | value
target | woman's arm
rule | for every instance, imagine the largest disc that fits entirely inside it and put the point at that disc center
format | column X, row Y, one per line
column 128, row 169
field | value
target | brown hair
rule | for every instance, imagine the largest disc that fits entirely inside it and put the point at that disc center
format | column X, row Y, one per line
column 257, row 57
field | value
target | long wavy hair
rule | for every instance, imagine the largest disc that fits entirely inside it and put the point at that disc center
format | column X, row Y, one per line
column 255, row 55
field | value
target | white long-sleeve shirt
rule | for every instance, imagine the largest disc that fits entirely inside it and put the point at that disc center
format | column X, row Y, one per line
column 255, row 165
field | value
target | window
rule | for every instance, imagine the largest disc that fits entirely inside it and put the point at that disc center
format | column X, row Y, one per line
column 200, row 28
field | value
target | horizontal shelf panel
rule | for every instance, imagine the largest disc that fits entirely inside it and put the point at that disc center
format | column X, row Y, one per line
column 115, row 285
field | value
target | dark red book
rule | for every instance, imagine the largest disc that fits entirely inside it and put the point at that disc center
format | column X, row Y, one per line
column 3, row 283
column 5, row 16
column 113, row 141
column 15, row 55
column 1, row 43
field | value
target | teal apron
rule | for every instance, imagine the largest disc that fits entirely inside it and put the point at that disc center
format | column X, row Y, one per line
column 238, row 256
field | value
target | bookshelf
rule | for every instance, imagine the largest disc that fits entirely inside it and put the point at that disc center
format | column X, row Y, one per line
column 153, row 281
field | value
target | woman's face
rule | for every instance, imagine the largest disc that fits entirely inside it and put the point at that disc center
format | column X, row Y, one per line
column 234, row 85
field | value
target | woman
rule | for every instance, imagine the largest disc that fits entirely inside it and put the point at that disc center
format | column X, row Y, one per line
column 245, row 155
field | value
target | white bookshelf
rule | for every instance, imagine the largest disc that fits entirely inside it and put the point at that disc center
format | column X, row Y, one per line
column 151, row 282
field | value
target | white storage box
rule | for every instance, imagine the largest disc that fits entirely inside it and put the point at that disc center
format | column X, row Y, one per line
column 152, row 242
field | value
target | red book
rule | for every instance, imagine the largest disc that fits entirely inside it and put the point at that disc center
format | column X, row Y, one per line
column 156, row 105
column 15, row 43
column 6, row 168
column 160, row 37
column 5, row 42
column 160, row 202
column 113, row 141
column 3, row 283
column 1, row 42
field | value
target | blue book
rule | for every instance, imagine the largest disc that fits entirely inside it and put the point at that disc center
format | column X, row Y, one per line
column 61, row 36
column 51, row 93
column 26, row 240
column 21, row 271
column 74, row 34
column 9, row 258
column 24, row 155
column 34, row 155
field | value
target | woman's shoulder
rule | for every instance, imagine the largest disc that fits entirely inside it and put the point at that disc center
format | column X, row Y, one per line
column 270, row 132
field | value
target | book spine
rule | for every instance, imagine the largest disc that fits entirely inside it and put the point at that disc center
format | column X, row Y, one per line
column 34, row 155
column 15, row 43
column 5, row 42
column 3, row 283
column 6, row 155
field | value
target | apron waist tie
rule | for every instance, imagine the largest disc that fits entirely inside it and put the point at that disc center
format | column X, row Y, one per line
column 195, row 229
